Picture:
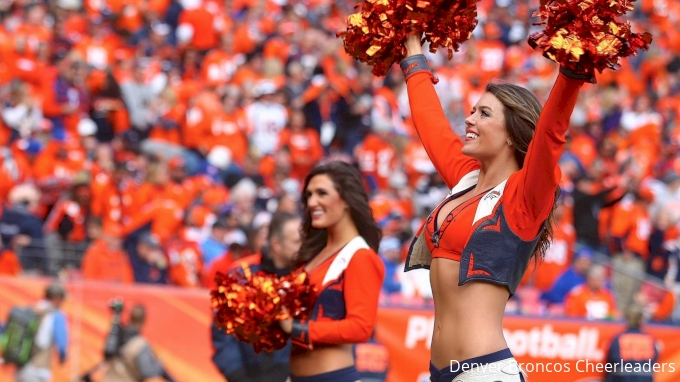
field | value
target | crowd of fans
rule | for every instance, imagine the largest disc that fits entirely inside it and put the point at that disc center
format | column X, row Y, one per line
column 150, row 141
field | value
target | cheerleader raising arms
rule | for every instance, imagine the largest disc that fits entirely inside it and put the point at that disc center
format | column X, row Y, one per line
column 477, row 243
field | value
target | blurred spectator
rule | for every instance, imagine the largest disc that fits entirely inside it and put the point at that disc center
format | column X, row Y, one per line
column 234, row 252
column 592, row 300
column 185, row 265
column 20, row 228
column 303, row 143
column 215, row 245
column 52, row 333
column 575, row 275
column 662, row 243
column 105, row 260
column 266, row 118
column 632, row 352
column 135, row 360
column 149, row 263
column 558, row 257
column 628, row 270
column 237, row 360
column 66, row 234
column 66, row 100
column 9, row 263
column 138, row 97
column 390, row 253
column 21, row 113
column 590, row 196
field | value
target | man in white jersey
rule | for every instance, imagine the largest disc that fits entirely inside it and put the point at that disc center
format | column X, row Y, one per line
column 266, row 118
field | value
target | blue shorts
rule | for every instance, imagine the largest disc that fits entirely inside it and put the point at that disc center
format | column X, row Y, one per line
column 348, row 374
column 449, row 373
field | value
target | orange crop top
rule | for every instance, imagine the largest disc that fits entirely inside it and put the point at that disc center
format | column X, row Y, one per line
column 346, row 308
column 448, row 240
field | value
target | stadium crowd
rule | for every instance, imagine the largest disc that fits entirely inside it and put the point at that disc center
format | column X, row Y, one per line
column 151, row 141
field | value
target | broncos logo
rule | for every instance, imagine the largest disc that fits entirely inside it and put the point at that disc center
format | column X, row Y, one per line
column 492, row 195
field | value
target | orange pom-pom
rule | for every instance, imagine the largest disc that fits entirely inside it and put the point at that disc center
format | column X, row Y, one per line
column 450, row 23
column 376, row 34
column 250, row 306
column 587, row 35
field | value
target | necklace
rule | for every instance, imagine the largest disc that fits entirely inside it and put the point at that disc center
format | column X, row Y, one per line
column 437, row 235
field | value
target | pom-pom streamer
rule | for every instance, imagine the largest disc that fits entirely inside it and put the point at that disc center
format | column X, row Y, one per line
column 587, row 35
column 250, row 306
column 376, row 33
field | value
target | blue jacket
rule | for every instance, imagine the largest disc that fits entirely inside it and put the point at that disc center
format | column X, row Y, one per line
column 391, row 284
column 565, row 283
column 237, row 360
column 632, row 356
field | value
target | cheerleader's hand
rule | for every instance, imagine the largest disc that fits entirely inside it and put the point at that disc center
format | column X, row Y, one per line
column 413, row 44
column 287, row 325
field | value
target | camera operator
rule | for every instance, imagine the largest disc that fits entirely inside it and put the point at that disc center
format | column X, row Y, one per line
column 134, row 361
column 237, row 360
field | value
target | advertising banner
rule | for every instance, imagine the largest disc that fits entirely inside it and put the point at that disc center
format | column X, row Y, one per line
column 178, row 327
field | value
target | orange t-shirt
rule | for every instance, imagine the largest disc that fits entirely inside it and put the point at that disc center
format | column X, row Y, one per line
column 101, row 263
column 585, row 303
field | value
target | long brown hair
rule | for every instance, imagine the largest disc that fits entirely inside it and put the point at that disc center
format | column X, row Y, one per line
column 347, row 181
column 521, row 110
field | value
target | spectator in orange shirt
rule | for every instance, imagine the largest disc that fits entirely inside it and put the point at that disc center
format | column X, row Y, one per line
column 65, row 230
column 235, row 252
column 65, row 100
column 591, row 300
column 105, row 260
column 304, row 145
column 184, row 262
column 9, row 263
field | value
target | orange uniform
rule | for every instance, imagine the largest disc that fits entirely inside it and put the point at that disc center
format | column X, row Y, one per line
column 346, row 305
column 526, row 197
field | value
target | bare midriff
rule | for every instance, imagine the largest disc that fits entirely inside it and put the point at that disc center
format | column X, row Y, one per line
column 468, row 319
column 322, row 360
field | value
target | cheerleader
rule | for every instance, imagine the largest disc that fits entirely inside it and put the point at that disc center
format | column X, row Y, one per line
column 477, row 243
column 340, row 239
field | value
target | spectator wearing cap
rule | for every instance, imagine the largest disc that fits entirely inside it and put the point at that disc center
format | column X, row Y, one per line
column 149, row 262
column 591, row 300
column 105, row 259
column 390, row 254
column 572, row 277
column 21, row 229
